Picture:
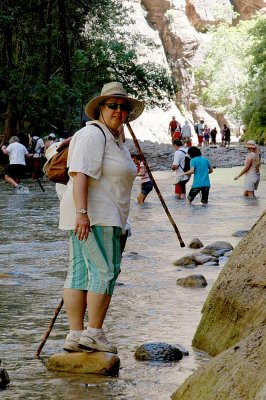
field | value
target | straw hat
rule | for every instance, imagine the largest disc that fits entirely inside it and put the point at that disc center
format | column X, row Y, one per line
column 50, row 152
column 114, row 89
column 251, row 144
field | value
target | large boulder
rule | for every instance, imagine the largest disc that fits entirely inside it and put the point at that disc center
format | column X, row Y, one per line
column 233, row 327
column 238, row 373
column 96, row 362
column 236, row 305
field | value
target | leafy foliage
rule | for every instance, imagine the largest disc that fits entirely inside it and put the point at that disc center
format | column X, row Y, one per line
column 56, row 54
column 232, row 78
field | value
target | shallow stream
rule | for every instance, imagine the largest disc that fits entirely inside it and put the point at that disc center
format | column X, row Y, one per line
column 147, row 304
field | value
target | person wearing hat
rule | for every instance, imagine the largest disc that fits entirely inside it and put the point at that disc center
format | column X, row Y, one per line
column 178, row 166
column 51, row 139
column 251, row 169
column 94, row 208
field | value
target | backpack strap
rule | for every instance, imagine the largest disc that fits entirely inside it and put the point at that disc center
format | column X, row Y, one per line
column 184, row 158
column 98, row 126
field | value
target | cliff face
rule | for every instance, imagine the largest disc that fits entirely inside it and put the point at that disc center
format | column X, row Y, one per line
column 182, row 26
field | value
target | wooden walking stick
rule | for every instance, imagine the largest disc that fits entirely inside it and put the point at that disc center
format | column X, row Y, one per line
column 47, row 333
column 182, row 244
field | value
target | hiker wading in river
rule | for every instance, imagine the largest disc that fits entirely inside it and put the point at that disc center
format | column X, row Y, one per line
column 94, row 208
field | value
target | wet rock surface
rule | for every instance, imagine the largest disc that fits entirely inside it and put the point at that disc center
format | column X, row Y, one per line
column 97, row 362
column 192, row 281
column 158, row 352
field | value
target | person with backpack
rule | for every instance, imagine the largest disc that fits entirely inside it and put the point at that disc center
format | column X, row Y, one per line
column 94, row 209
column 181, row 164
column 186, row 134
column 37, row 151
column 200, row 167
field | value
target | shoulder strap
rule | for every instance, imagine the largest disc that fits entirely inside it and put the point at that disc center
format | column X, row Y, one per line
column 182, row 151
column 98, row 126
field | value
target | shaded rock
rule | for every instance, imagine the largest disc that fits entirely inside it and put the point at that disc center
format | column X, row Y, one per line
column 211, row 263
column 97, row 362
column 238, row 373
column 204, row 258
column 195, row 244
column 4, row 377
column 240, row 233
column 159, row 351
column 183, row 349
column 192, row 281
column 217, row 249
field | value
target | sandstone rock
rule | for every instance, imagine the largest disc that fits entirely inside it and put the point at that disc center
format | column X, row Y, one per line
column 195, row 244
column 97, row 362
column 158, row 352
column 185, row 261
column 238, row 373
column 192, row 281
column 2, row 275
column 236, row 305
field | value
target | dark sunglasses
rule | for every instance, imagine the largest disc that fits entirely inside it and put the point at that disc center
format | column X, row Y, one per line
column 115, row 106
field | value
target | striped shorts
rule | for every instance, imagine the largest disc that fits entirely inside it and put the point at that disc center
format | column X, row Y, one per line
column 95, row 262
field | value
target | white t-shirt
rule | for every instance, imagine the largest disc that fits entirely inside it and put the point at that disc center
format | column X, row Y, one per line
column 16, row 153
column 111, row 174
column 179, row 159
column 38, row 150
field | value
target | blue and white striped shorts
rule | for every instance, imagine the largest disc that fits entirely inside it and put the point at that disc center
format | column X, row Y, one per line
column 95, row 262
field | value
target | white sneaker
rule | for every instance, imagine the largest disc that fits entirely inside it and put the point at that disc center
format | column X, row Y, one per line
column 71, row 344
column 96, row 341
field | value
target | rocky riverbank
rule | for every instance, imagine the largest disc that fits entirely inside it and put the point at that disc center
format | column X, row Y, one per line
column 160, row 156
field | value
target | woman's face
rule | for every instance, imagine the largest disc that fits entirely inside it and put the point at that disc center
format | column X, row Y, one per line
column 114, row 112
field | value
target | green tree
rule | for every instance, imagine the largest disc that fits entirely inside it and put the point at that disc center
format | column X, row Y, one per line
column 56, row 54
column 255, row 107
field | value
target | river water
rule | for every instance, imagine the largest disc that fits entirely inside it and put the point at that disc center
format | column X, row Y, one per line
column 147, row 305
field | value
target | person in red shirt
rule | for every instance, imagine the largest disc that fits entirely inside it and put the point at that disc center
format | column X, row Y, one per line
column 172, row 126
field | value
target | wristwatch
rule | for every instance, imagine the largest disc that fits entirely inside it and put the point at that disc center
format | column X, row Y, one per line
column 82, row 211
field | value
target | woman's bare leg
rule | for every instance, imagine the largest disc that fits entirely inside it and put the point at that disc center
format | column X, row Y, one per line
column 75, row 305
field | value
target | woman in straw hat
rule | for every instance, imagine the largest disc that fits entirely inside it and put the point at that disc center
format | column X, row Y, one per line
column 94, row 208
column 251, row 169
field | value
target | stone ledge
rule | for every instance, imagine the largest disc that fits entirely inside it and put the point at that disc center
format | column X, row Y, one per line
column 97, row 362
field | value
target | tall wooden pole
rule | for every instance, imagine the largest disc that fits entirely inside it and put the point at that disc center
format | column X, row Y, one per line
column 182, row 244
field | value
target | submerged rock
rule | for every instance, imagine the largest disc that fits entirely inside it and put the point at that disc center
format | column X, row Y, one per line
column 96, row 362
column 192, row 281
column 159, row 351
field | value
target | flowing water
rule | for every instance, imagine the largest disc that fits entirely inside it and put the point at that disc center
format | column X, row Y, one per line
column 147, row 305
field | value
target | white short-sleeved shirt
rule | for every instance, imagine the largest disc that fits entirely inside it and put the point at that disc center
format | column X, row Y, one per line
column 16, row 153
column 111, row 174
column 179, row 160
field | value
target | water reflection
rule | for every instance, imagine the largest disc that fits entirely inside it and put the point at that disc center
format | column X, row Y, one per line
column 147, row 305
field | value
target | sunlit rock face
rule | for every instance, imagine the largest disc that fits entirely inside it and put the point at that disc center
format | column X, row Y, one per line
column 179, row 28
column 247, row 9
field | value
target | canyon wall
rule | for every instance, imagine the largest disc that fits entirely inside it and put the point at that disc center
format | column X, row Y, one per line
column 179, row 27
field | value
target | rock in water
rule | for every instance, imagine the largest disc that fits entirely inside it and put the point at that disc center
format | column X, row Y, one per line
column 97, row 362
column 4, row 378
column 158, row 352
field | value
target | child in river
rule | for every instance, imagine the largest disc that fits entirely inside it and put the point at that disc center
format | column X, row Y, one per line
column 146, row 183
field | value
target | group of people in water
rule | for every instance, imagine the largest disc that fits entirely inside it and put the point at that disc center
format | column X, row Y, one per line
column 205, row 135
